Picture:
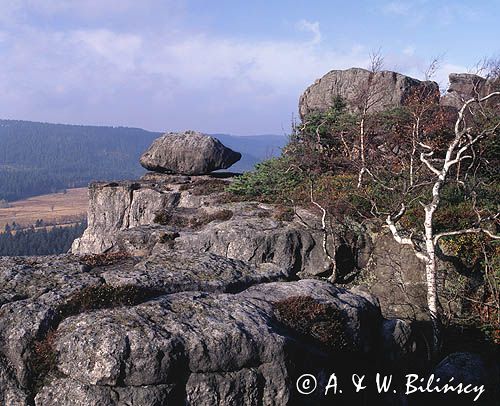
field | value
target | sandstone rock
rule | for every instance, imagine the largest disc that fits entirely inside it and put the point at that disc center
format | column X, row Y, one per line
column 114, row 207
column 188, row 153
column 216, row 346
column 396, row 277
column 397, row 345
column 464, row 86
column 209, row 332
column 473, row 369
column 388, row 89
column 121, row 218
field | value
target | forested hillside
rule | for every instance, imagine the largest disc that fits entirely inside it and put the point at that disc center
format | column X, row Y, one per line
column 39, row 158
column 42, row 241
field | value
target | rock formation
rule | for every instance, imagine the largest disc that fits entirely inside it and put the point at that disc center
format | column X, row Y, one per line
column 193, row 214
column 385, row 89
column 188, row 153
column 177, row 294
column 464, row 86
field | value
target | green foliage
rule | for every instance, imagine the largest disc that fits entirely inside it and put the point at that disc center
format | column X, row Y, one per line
column 271, row 181
column 177, row 219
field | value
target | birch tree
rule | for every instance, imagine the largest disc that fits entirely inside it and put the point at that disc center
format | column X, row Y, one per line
column 476, row 121
column 419, row 155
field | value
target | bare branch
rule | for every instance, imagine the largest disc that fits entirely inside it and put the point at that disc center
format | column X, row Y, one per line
column 466, row 231
column 423, row 158
column 391, row 223
column 333, row 277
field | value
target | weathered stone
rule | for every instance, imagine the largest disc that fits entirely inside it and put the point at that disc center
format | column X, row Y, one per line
column 226, row 347
column 470, row 369
column 188, row 153
column 465, row 86
column 114, row 207
column 386, row 90
column 397, row 344
column 397, row 278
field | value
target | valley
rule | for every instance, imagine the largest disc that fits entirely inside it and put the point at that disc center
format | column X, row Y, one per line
column 54, row 209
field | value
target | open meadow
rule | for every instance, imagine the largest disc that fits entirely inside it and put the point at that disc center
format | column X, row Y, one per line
column 54, row 208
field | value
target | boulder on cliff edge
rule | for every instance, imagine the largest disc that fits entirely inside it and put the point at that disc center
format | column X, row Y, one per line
column 386, row 89
column 188, row 153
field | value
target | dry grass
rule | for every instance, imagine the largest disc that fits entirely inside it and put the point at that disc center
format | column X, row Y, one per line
column 321, row 322
column 200, row 219
column 109, row 258
column 56, row 208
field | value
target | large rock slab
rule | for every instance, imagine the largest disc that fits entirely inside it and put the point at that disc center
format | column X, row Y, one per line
column 196, row 348
column 35, row 292
column 120, row 206
column 384, row 90
column 188, row 153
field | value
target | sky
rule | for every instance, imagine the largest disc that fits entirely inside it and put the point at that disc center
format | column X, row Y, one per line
column 218, row 66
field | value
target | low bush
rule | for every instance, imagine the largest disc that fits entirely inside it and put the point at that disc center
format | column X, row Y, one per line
column 320, row 321
column 199, row 220
column 105, row 297
column 96, row 260
column 271, row 181
column 283, row 213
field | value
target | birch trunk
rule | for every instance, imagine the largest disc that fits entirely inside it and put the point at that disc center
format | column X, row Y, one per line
column 431, row 282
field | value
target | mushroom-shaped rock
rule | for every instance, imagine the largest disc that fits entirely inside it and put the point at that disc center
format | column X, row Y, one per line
column 188, row 153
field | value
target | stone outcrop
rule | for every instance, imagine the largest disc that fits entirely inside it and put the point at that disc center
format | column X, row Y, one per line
column 127, row 217
column 464, row 86
column 188, row 153
column 194, row 329
column 178, row 294
column 192, row 214
column 385, row 89
column 471, row 369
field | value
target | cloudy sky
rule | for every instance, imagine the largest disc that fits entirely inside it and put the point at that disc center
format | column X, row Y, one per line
column 217, row 66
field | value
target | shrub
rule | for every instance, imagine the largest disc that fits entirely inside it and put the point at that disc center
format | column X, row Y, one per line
column 203, row 187
column 283, row 213
column 320, row 321
column 104, row 297
column 43, row 360
column 271, row 181
column 109, row 258
column 202, row 218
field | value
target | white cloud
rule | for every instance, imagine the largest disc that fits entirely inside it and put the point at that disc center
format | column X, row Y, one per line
column 409, row 50
column 312, row 27
column 119, row 49
column 166, row 79
column 161, row 79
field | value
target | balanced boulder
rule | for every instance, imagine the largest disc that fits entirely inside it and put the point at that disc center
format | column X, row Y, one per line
column 188, row 153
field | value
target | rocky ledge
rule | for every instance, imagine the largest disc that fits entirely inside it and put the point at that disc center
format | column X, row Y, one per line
column 176, row 295
column 173, row 328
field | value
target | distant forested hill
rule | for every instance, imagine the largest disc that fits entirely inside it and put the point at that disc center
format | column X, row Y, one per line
column 39, row 158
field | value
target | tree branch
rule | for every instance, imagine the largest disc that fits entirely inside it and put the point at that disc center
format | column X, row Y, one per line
column 466, row 231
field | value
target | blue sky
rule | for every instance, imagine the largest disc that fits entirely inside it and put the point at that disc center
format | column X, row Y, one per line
column 217, row 66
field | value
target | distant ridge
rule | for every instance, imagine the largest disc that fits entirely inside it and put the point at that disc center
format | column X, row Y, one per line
column 38, row 158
